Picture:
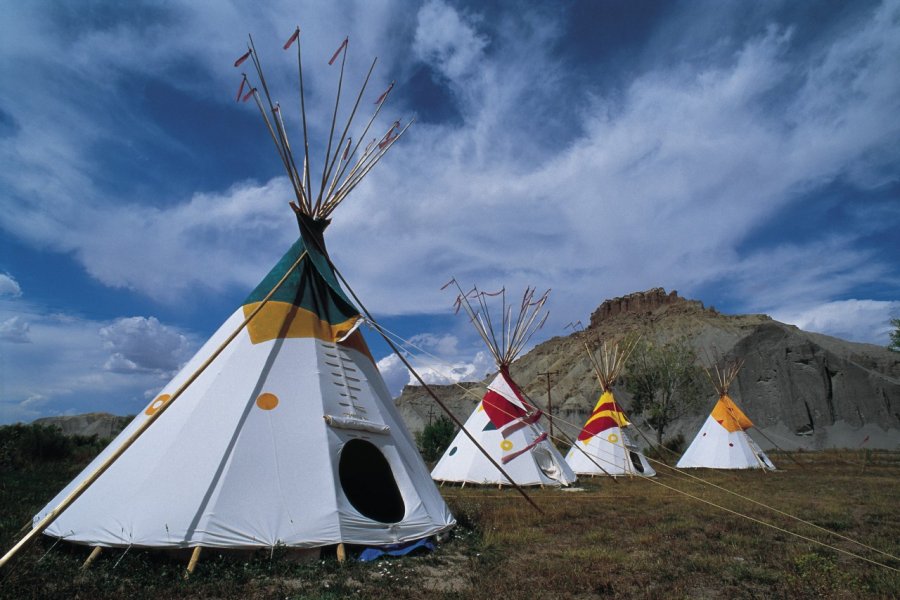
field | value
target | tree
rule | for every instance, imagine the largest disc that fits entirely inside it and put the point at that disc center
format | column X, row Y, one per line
column 435, row 438
column 664, row 382
column 895, row 336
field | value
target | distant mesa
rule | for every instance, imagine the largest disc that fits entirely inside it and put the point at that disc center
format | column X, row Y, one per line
column 645, row 304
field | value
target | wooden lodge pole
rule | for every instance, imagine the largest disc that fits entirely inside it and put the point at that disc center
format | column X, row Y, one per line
column 192, row 563
column 549, row 399
column 91, row 557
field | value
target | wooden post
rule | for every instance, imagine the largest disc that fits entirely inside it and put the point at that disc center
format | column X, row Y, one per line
column 549, row 399
column 91, row 557
column 192, row 564
column 341, row 553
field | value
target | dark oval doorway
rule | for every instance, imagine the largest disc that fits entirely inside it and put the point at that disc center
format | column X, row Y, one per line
column 369, row 483
column 636, row 461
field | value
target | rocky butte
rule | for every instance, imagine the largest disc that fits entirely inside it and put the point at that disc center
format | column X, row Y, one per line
column 803, row 390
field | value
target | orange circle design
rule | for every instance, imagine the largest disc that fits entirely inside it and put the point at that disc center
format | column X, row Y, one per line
column 156, row 404
column 506, row 445
column 267, row 401
column 613, row 438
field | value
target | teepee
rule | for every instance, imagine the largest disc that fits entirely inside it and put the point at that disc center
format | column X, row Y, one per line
column 504, row 422
column 603, row 447
column 723, row 442
column 280, row 430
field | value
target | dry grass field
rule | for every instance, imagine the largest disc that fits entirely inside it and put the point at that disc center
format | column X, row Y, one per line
column 631, row 539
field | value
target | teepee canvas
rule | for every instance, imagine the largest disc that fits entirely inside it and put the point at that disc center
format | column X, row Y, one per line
column 504, row 422
column 603, row 447
column 723, row 442
column 280, row 431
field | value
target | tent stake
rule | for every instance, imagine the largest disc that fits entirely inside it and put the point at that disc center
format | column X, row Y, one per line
column 192, row 564
column 91, row 557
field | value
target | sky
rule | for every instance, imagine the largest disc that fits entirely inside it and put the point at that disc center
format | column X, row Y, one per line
column 746, row 154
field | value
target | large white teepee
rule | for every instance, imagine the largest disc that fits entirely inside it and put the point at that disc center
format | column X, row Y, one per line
column 723, row 442
column 504, row 422
column 603, row 447
column 289, row 436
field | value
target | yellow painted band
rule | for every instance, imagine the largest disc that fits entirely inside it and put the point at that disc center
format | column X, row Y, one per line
column 279, row 320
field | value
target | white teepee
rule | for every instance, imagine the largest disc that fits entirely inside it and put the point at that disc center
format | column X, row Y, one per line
column 504, row 422
column 603, row 447
column 288, row 436
column 723, row 442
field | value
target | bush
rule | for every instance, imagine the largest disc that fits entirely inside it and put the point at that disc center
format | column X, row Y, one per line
column 26, row 445
column 434, row 439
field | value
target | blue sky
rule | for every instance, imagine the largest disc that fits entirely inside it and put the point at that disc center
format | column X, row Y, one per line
column 746, row 154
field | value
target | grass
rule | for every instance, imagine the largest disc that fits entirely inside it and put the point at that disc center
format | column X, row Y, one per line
column 633, row 539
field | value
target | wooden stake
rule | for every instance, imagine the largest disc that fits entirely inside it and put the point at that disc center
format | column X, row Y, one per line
column 341, row 553
column 91, row 557
column 192, row 564
column 549, row 399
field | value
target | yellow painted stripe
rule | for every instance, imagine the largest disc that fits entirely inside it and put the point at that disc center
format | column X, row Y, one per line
column 730, row 416
column 615, row 415
column 284, row 320
column 605, row 398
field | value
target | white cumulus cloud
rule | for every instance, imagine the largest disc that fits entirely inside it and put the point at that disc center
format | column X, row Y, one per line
column 14, row 329
column 9, row 286
column 448, row 41
column 854, row 320
column 144, row 344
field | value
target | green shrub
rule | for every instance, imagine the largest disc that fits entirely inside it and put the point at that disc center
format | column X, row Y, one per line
column 26, row 445
column 435, row 438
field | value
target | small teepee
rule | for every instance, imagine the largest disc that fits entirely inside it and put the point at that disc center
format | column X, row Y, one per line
column 280, row 430
column 603, row 447
column 723, row 442
column 504, row 422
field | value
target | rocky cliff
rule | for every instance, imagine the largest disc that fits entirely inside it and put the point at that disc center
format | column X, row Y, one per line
column 103, row 425
column 803, row 390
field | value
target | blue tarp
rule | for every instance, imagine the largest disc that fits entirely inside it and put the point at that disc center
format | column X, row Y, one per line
column 403, row 549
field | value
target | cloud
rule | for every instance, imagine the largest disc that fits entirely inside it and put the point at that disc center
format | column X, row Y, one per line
column 73, row 364
column 109, row 187
column 9, row 286
column 446, row 41
column 144, row 344
column 14, row 330
column 854, row 320
column 666, row 182
column 438, row 359
column 394, row 373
